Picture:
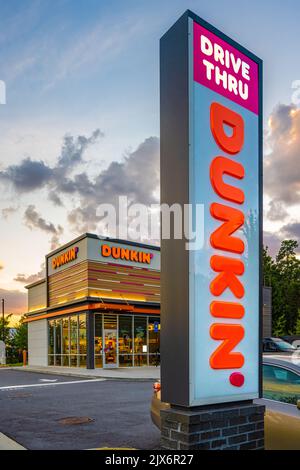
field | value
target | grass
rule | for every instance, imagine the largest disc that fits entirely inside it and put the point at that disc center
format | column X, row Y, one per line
column 16, row 364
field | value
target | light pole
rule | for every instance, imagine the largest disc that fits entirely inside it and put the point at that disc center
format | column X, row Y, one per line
column 3, row 327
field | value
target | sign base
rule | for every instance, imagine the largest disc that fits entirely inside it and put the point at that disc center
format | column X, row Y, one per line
column 233, row 426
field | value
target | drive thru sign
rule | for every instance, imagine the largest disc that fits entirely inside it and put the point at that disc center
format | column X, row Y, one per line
column 211, row 133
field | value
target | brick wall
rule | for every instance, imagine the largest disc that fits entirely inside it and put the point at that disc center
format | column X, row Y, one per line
column 234, row 427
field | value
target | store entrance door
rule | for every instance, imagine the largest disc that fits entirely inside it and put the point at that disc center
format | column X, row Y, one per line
column 110, row 349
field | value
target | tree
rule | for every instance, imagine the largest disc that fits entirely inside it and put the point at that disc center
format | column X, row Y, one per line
column 297, row 332
column 283, row 275
column 6, row 336
column 20, row 337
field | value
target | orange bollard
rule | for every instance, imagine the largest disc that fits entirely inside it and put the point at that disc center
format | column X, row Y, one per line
column 24, row 357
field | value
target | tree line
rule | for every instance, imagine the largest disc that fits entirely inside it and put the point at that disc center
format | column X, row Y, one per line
column 15, row 339
column 282, row 273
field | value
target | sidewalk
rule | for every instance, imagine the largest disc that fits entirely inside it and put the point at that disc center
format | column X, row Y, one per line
column 127, row 373
column 8, row 444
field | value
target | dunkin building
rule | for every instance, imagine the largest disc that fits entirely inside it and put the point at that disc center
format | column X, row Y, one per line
column 98, row 306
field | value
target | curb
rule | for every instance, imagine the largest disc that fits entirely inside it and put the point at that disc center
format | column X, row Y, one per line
column 85, row 376
column 9, row 444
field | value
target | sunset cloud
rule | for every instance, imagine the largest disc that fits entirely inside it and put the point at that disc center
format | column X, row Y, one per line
column 282, row 162
column 29, row 279
column 30, row 175
column 34, row 220
column 15, row 301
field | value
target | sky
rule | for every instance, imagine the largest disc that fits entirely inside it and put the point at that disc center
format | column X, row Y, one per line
column 81, row 119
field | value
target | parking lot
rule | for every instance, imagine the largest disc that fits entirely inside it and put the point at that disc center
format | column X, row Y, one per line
column 44, row 411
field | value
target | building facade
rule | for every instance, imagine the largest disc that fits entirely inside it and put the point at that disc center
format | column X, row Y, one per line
column 98, row 305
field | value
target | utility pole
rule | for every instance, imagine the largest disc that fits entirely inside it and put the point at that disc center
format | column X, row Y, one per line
column 3, row 327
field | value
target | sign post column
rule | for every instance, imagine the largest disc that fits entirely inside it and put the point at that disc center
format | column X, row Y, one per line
column 211, row 164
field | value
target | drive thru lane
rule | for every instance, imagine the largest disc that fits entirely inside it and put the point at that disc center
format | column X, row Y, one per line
column 115, row 413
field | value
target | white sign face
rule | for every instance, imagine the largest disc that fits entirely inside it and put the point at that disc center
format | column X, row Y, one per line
column 224, row 168
column 2, row 353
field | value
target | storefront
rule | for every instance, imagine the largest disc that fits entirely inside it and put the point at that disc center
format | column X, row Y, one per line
column 98, row 306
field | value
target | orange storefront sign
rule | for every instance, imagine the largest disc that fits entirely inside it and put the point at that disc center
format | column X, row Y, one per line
column 228, row 269
column 126, row 254
column 65, row 257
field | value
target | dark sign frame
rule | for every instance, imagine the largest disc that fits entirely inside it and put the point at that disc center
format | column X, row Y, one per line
column 174, row 132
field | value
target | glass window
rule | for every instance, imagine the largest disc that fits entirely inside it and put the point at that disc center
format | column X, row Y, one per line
column 126, row 360
column 110, row 322
column 140, row 360
column 65, row 361
column 140, row 335
column 82, row 361
column 140, row 341
column 154, row 359
column 98, row 361
column 82, row 334
column 74, row 335
column 281, row 384
column 284, row 346
column 58, row 360
column 73, row 360
column 154, row 335
column 65, row 336
column 51, row 360
column 58, row 336
column 98, row 334
column 51, row 333
column 125, row 334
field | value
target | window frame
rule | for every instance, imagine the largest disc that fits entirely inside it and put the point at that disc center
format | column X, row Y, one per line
column 285, row 368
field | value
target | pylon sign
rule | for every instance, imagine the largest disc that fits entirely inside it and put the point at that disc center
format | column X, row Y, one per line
column 211, row 146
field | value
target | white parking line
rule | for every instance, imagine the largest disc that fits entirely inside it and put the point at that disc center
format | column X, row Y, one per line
column 13, row 387
column 48, row 380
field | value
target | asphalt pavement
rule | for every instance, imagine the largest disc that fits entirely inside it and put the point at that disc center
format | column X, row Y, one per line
column 44, row 411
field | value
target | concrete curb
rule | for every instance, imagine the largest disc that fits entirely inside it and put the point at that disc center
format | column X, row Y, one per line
column 9, row 444
column 84, row 376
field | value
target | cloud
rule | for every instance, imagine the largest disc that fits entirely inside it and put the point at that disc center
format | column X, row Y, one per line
column 272, row 241
column 33, row 220
column 292, row 230
column 32, row 277
column 73, row 149
column 54, row 197
column 277, row 211
column 27, row 176
column 15, row 301
column 136, row 176
column 31, row 175
column 281, row 163
column 8, row 211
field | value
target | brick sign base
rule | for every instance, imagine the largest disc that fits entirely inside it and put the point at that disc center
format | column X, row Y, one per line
column 235, row 426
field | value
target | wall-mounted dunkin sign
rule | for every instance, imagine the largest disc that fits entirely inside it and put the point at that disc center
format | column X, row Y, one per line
column 211, row 145
column 65, row 257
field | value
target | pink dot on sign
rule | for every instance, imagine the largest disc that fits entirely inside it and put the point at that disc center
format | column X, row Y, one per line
column 237, row 379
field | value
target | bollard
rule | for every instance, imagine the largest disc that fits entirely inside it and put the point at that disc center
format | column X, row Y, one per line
column 24, row 357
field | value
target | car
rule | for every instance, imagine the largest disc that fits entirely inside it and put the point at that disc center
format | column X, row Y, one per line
column 293, row 339
column 277, row 345
column 281, row 397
